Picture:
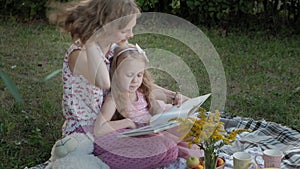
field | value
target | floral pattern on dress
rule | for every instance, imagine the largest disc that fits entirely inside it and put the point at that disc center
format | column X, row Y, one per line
column 81, row 100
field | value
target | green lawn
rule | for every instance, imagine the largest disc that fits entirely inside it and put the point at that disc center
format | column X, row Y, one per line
column 262, row 75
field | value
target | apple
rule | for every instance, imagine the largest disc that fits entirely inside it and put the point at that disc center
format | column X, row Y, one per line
column 192, row 162
column 199, row 167
column 220, row 161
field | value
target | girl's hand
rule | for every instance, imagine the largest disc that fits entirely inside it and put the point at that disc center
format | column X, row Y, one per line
column 131, row 124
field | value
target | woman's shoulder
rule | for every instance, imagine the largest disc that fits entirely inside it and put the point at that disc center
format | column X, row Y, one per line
column 77, row 45
column 72, row 54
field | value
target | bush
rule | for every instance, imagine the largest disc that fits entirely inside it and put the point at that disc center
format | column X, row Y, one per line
column 23, row 10
column 257, row 14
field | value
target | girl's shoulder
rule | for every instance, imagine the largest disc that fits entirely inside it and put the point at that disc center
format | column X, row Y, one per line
column 140, row 96
column 139, row 93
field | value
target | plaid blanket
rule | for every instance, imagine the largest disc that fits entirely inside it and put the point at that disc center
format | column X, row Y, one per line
column 265, row 135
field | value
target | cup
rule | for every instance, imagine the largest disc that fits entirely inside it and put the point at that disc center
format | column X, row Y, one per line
column 271, row 157
column 243, row 160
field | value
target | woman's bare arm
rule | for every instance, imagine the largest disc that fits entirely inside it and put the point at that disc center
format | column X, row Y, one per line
column 97, row 66
column 91, row 65
column 168, row 96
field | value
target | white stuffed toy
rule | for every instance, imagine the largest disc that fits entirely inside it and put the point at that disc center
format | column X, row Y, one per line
column 75, row 152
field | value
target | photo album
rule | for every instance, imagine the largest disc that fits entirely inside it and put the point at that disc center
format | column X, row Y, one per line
column 163, row 121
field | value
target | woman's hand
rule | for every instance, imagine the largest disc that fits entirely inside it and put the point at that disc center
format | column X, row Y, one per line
column 168, row 96
column 178, row 99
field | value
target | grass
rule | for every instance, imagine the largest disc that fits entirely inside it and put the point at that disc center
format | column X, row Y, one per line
column 262, row 74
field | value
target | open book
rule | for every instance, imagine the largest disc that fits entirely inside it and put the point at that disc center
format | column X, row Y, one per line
column 161, row 121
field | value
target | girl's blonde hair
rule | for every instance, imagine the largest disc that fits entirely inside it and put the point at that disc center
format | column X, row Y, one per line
column 121, row 99
column 82, row 19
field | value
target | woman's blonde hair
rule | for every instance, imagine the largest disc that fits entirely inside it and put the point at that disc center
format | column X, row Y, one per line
column 82, row 19
column 121, row 99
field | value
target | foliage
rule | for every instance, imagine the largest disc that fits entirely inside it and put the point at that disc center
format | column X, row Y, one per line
column 147, row 4
column 11, row 87
column 274, row 14
column 53, row 74
column 270, row 15
column 24, row 9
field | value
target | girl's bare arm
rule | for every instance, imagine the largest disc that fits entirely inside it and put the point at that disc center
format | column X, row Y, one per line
column 104, row 125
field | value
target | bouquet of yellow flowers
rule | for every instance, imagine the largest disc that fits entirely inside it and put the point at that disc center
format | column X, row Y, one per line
column 207, row 131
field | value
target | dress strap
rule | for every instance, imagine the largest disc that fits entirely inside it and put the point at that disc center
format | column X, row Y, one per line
column 75, row 46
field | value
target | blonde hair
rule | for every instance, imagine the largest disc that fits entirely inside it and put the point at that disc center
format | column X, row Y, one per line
column 82, row 19
column 121, row 99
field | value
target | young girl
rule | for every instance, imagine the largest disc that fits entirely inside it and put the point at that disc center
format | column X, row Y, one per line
column 94, row 25
column 131, row 104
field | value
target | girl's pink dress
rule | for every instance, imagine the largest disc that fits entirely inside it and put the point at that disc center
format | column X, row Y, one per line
column 140, row 152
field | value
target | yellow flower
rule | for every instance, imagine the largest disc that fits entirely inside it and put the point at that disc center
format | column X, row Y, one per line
column 207, row 131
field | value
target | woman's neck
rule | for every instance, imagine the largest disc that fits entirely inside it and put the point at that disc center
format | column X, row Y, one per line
column 104, row 47
column 103, row 41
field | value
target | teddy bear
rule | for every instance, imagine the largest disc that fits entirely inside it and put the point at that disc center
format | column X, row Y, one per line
column 75, row 152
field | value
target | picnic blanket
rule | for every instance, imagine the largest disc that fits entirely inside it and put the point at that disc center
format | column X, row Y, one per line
column 264, row 135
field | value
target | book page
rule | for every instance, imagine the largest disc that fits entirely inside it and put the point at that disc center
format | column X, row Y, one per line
column 176, row 112
column 161, row 121
column 149, row 129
